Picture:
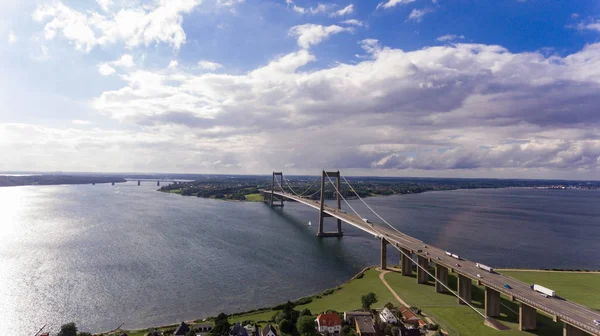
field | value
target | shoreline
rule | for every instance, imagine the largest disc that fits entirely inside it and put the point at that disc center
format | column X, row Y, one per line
column 312, row 296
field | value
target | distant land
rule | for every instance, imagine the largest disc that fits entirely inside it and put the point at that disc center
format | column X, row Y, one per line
column 247, row 187
column 24, row 180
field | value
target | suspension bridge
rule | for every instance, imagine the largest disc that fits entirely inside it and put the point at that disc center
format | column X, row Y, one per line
column 577, row 319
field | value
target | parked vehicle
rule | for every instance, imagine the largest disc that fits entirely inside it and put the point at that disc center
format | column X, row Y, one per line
column 507, row 286
column 484, row 267
column 543, row 290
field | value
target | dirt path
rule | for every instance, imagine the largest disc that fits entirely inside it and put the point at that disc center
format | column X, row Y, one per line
column 382, row 278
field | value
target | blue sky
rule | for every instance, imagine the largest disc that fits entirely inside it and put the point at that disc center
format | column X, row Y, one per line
column 504, row 88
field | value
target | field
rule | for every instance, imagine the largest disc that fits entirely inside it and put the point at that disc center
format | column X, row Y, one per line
column 254, row 198
column 443, row 308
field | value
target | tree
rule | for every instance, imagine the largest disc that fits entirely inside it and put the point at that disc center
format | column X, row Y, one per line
column 395, row 331
column 368, row 300
column 69, row 329
column 389, row 305
column 348, row 331
column 306, row 325
column 222, row 325
column 278, row 317
column 305, row 312
column 191, row 333
column 286, row 326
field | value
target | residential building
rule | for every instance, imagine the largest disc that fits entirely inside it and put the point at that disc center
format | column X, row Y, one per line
column 203, row 329
column 183, row 329
column 238, row 330
column 350, row 315
column 268, row 330
column 408, row 316
column 364, row 326
column 329, row 322
column 410, row 332
column 387, row 316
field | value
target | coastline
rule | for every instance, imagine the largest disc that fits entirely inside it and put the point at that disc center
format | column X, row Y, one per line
column 315, row 296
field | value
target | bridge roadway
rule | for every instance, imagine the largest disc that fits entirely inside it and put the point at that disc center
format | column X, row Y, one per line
column 561, row 310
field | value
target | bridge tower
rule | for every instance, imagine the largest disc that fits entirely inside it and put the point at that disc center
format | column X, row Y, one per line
column 280, row 174
column 322, row 213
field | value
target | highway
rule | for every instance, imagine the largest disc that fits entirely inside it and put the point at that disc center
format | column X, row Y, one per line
column 562, row 310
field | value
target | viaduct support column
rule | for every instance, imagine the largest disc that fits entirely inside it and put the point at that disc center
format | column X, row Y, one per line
column 441, row 273
column 492, row 302
column 569, row 330
column 405, row 262
column 464, row 289
column 422, row 277
column 383, row 253
column 527, row 317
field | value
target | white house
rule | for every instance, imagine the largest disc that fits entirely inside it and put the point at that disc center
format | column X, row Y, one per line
column 387, row 316
column 268, row 331
column 329, row 322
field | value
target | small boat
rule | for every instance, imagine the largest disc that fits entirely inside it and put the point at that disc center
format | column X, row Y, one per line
column 309, row 223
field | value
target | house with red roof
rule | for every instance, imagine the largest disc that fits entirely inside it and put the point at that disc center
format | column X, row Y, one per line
column 329, row 322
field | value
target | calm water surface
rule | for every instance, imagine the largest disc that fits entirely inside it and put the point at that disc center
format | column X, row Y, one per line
column 102, row 255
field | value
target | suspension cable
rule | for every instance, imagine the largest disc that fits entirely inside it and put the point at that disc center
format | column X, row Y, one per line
column 365, row 203
column 305, row 191
column 399, row 249
column 348, row 204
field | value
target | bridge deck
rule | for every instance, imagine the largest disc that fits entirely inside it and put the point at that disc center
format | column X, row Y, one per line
column 566, row 311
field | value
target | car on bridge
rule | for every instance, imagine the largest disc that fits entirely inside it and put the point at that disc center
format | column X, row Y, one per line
column 597, row 323
column 507, row 286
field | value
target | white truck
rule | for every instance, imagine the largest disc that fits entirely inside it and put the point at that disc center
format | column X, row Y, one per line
column 545, row 291
column 484, row 267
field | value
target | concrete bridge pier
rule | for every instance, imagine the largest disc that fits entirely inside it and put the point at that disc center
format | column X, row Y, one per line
column 383, row 253
column 422, row 277
column 492, row 302
column 569, row 330
column 405, row 262
column 158, row 183
column 527, row 317
column 464, row 289
column 441, row 273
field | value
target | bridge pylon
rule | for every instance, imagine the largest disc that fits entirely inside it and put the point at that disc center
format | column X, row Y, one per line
column 322, row 214
column 271, row 201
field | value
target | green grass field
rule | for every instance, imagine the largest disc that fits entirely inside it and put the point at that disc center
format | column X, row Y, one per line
column 254, row 198
column 444, row 308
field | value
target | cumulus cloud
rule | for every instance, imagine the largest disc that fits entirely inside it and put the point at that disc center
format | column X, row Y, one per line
column 208, row 65
column 105, row 69
column 125, row 61
column 450, row 37
column 453, row 107
column 393, row 3
column 12, row 38
column 104, row 4
column 344, row 11
column 136, row 25
column 589, row 25
column 320, row 8
column 311, row 34
column 353, row 22
column 418, row 14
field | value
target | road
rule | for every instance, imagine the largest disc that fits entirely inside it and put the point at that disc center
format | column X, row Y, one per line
column 566, row 311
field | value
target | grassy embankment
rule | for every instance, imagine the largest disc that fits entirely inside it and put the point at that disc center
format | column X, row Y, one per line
column 443, row 308
column 254, row 198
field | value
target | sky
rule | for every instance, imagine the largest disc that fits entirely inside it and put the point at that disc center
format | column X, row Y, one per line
column 440, row 88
